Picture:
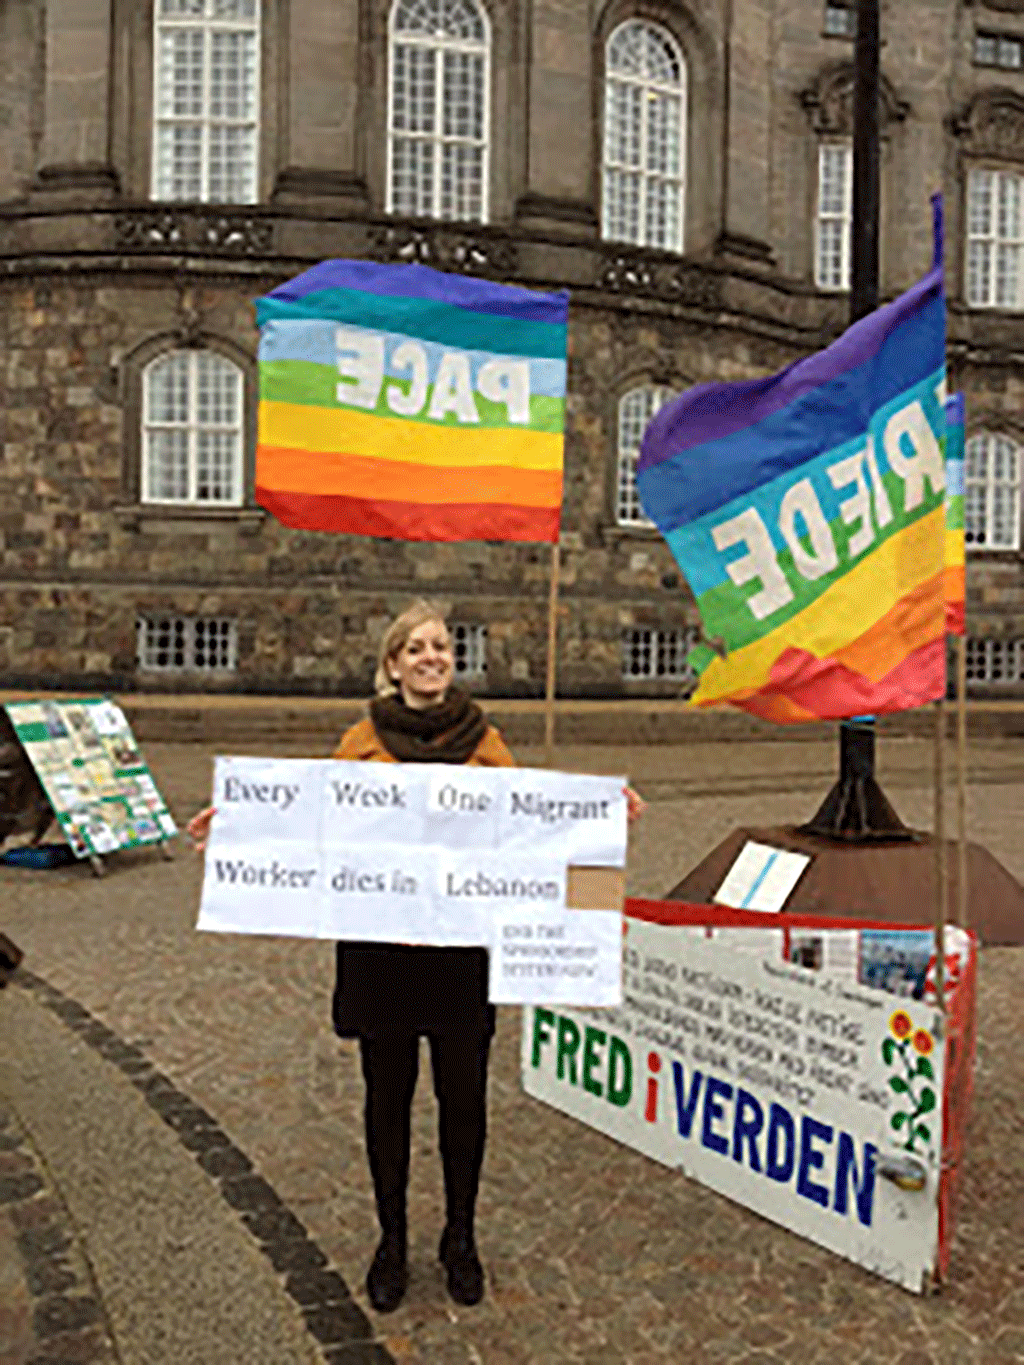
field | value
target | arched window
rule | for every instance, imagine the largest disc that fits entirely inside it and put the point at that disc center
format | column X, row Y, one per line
column 206, row 100
column 992, row 493
column 644, row 137
column 636, row 408
column 438, row 109
column 192, row 430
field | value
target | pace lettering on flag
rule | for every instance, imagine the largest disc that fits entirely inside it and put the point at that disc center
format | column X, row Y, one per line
column 955, row 587
column 396, row 400
column 807, row 512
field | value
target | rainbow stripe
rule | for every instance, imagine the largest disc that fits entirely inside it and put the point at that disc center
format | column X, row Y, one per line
column 399, row 401
column 807, row 511
column 955, row 557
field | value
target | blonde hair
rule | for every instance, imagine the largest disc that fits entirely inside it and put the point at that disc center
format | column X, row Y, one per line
column 395, row 637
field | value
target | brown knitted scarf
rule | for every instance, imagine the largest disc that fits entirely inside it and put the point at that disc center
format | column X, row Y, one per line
column 447, row 733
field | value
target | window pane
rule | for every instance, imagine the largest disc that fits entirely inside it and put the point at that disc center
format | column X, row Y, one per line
column 979, row 272
column 986, row 49
column 979, row 203
column 831, row 240
column 415, row 90
column 232, row 165
column 463, row 95
column 412, row 176
column 167, row 389
column 461, row 178
column 623, row 124
column 180, row 162
column 462, row 19
column 217, row 390
column 180, row 73
column 622, row 206
column 663, row 124
column 233, row 76
column 833, row 180
column 417, row 16
column 167, row 465
column 216, row 464
column 662, row 228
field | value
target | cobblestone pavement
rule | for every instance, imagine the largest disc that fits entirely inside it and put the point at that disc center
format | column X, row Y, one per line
column 594, row 1254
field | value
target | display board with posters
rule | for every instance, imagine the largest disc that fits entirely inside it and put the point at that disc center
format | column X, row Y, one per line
column 93, row 772
column 827, row 1104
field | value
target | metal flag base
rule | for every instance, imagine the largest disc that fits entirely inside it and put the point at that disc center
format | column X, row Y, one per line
column 856, row 810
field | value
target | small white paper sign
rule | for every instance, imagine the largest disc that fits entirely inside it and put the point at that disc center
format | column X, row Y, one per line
column 261, row 888
column 583, row 817
column 761, row 878
column 556, row 957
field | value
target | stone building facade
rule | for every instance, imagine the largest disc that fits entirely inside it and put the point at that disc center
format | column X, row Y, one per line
column 682, row 166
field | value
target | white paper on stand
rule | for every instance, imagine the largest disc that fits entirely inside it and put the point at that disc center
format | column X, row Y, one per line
column 761, row 878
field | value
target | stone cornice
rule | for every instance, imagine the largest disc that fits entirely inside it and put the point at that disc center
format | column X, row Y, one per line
column 259, row 245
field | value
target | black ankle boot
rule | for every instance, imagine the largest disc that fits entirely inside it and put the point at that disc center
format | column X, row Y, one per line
column 388, row 1275
column 457, row 1253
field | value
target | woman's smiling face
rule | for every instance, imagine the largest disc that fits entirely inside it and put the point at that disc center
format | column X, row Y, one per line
column 423, row 667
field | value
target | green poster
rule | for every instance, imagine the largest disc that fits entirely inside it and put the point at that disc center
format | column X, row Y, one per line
column 93, row 773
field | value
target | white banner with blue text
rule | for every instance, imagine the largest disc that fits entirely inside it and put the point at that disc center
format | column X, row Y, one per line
column 800, row 1093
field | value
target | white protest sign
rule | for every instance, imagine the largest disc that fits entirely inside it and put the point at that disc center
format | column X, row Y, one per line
column 789, row 1090
column 415, row 853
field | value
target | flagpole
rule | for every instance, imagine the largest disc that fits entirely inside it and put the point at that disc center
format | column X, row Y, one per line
column 549, row 687
column 941, row 883
column 961, row 780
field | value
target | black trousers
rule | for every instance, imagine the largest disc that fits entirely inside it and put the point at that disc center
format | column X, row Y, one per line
column 459, row 1064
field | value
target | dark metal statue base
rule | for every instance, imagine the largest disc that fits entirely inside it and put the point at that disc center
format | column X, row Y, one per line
column 856, row 810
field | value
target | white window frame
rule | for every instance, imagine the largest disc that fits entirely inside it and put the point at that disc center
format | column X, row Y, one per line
column 844, row 217
column 440, row 43
column 987, row 656
column 628, row 511
column 849, row 24
column 190, row 629
column 209, row 25
column 986, row 245
column 469, row 649
column 679, row 92
column 1008, row 51
column 193, row 428
column 994, row 494
column 674, row 644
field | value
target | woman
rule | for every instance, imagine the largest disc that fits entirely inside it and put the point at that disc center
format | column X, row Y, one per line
column 387, row 995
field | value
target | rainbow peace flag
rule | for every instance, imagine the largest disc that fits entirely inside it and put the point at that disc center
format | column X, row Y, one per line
column 955, row 587
column 399, row 401
column 807, row 512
